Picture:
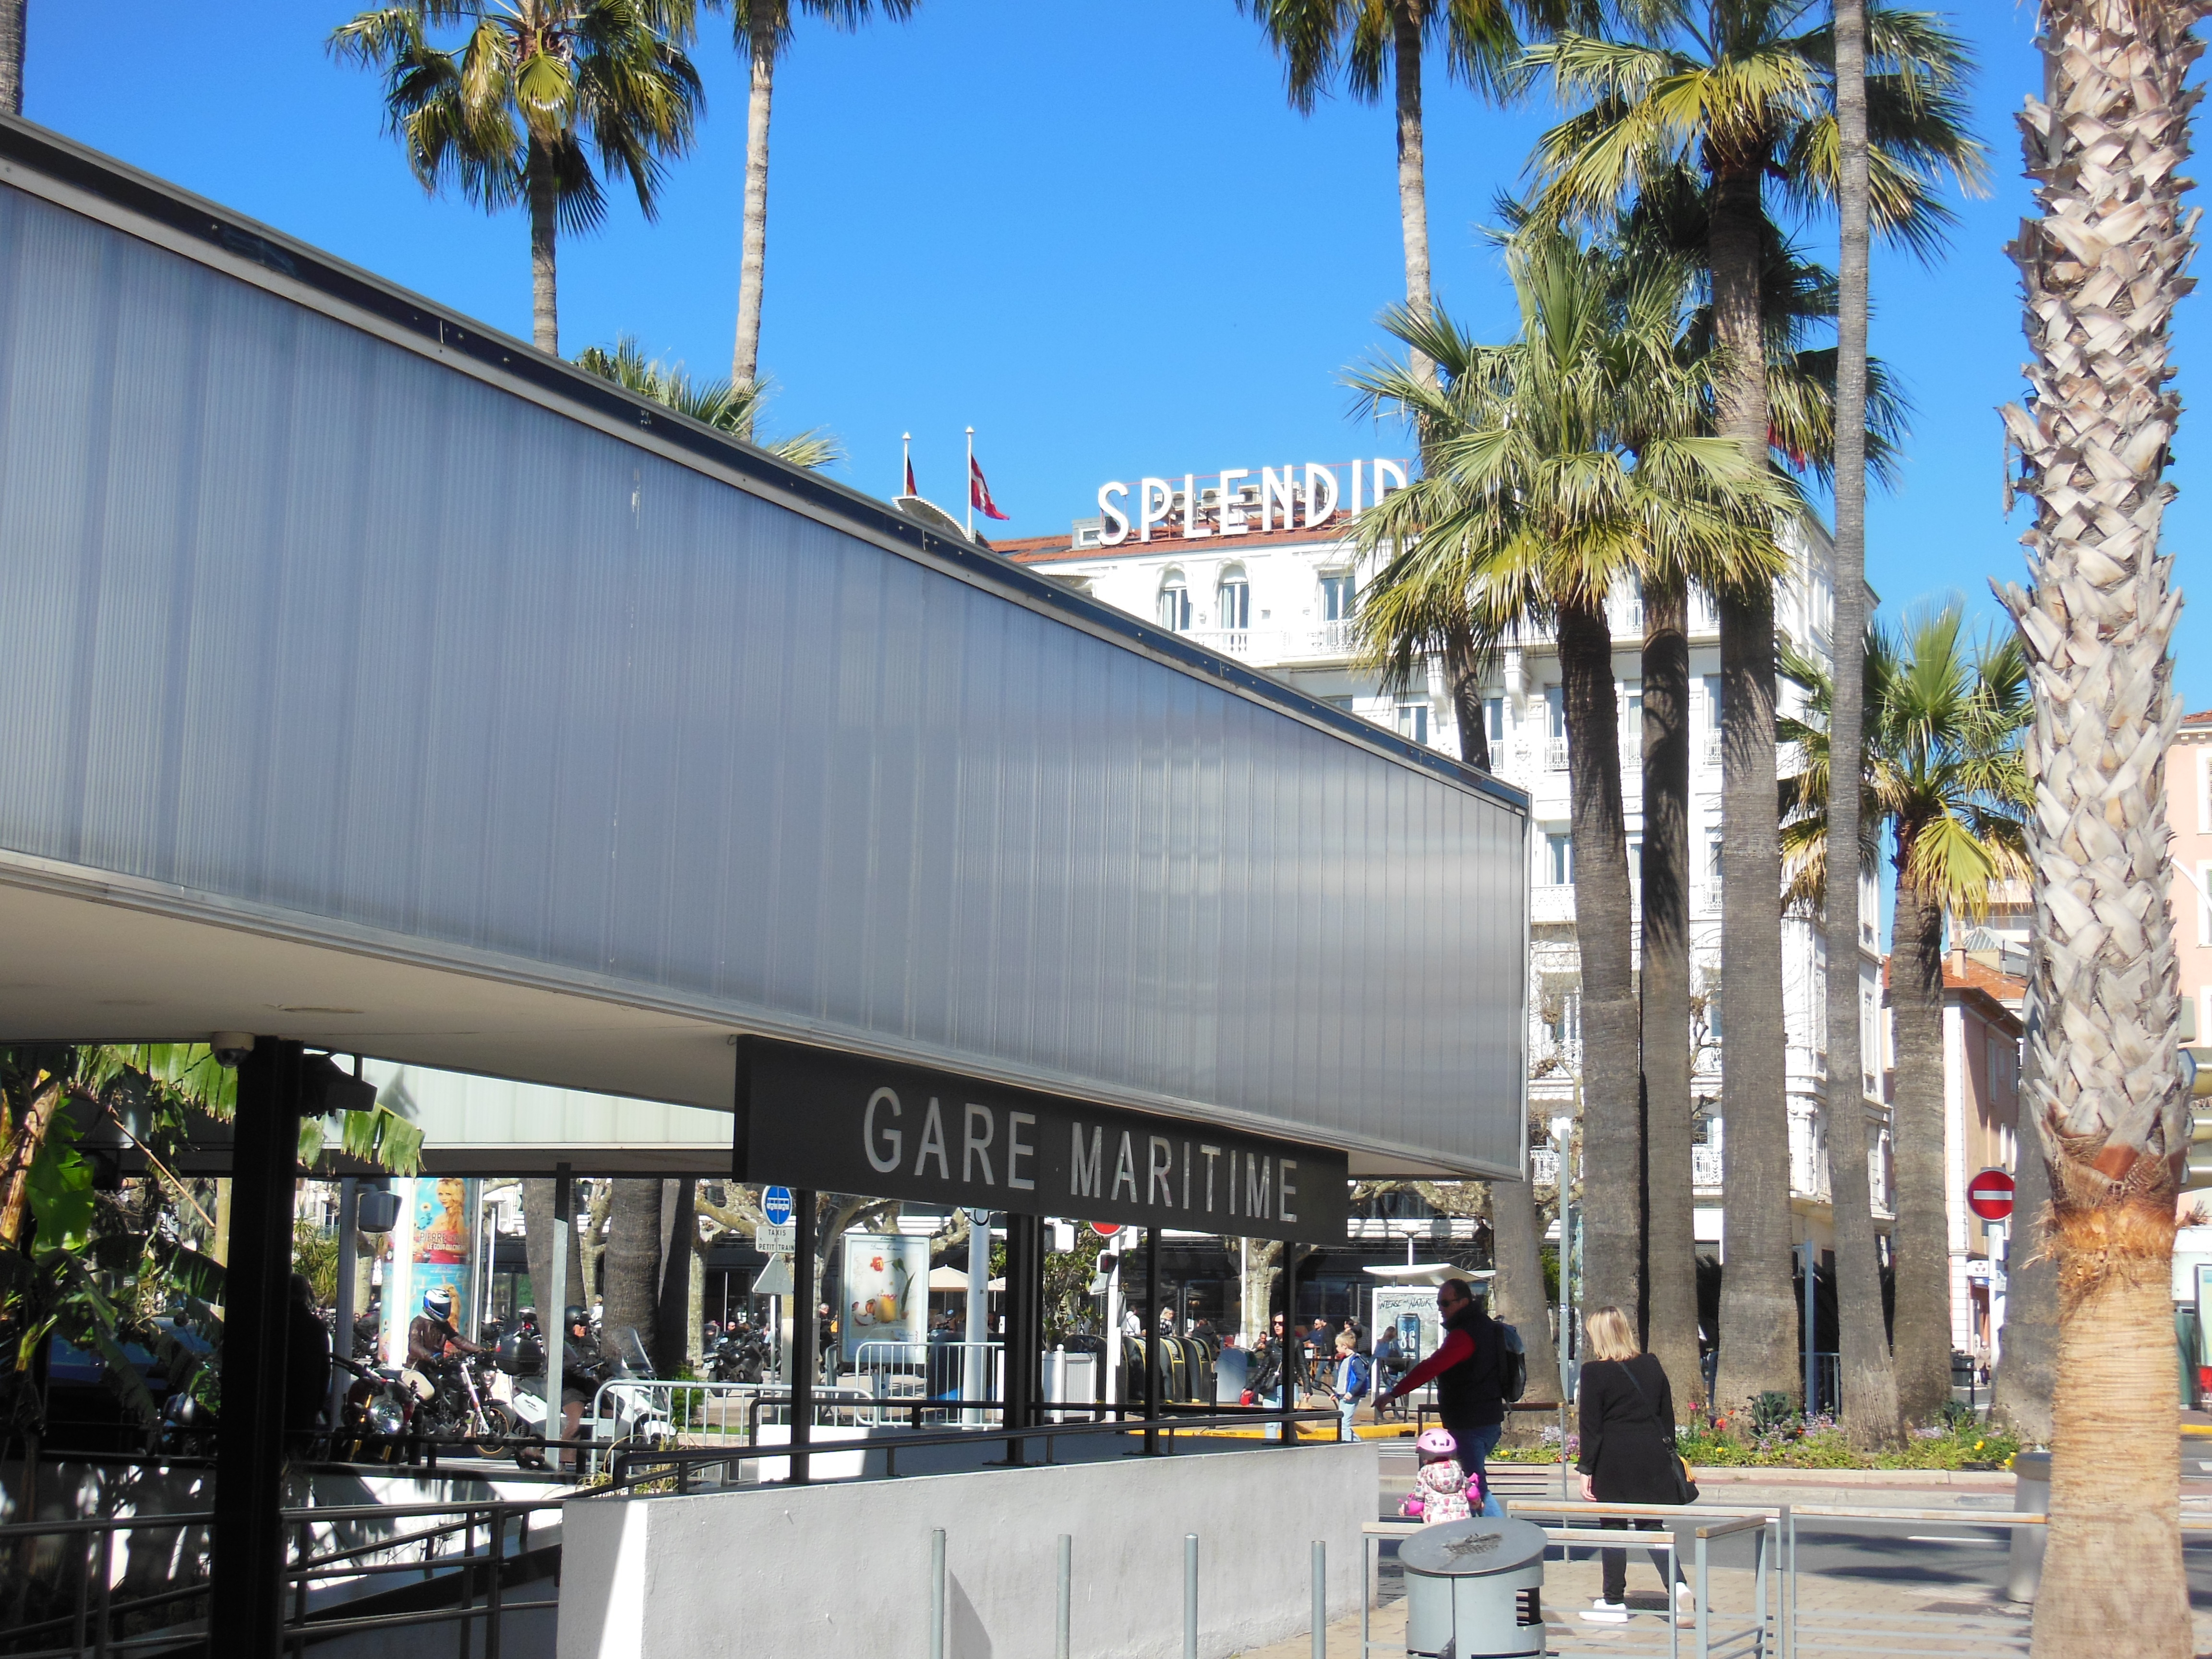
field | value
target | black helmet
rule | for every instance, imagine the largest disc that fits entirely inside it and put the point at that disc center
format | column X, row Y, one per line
column 574, row 1314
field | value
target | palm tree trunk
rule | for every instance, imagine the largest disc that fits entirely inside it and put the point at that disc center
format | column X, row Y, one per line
column 1613, row 1131
column 744, row 360
column 2102, row 272
column 13, row 23
column 1413, row 186
column 675, row 1334
column 1924, row 1250
column 1869, row 1402
column 1462, row 666
column 1757, row 1332
column 545, row 296
column 1671, row 1249
column 630, row 1271
column 537, row 1224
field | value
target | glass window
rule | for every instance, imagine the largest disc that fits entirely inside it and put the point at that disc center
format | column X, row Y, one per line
column 1338, row 594
column 1493, row 719
column 1236, row 599
column 1555, row 712
column 1713, row 702
column 1559, row 860
column 1413, row 721
column 1174, row 602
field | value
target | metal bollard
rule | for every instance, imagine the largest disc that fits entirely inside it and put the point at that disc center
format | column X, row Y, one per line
column 1190, row 1596
column 2031, row 1493
column 936, row 1594
column 1066, row 1595
column 1321, row 1599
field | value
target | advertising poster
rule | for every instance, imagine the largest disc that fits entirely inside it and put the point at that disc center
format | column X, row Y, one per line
column 886, row 1291
column 1412, row 1310
column 435, row 1242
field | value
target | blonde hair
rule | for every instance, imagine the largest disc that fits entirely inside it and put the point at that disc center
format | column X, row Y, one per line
column 1346, row 1342
column 1611, row 1336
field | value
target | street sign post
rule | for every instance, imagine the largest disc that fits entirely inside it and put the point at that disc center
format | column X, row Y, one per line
column 1989, row 1196
column 772, row 1240
column 775, row 1204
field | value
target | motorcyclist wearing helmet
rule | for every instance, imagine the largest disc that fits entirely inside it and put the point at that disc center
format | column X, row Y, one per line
column 581, row 1367
column 431, row 1337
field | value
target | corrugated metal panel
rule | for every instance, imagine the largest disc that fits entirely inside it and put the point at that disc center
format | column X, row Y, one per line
column 298, row 616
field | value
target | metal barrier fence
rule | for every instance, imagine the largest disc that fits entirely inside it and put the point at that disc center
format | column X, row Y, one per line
column 469, row 1554
column 902, row 1374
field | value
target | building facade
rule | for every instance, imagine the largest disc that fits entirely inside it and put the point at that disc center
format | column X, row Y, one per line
column 1256, row 565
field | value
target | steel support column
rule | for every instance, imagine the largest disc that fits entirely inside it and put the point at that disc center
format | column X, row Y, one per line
column 1289, row 1355
column 1151, row 1339
column 802, row 1327
column 246, row 1606
column 1024, row 1324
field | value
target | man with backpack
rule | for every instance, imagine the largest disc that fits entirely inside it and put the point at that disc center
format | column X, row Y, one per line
column 1477, row 1368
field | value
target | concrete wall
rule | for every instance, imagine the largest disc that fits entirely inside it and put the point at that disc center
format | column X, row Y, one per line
column 845, row 1569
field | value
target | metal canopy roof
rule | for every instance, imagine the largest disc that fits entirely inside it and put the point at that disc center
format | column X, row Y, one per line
column 377, row 681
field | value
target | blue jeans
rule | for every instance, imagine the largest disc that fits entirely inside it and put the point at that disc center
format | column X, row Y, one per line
column 1344, row 1411
column 1476, row 1446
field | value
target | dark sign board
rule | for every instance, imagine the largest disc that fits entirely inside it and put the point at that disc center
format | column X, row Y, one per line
column 838, row 1123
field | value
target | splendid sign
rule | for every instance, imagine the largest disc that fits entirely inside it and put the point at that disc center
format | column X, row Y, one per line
column 1281, row 489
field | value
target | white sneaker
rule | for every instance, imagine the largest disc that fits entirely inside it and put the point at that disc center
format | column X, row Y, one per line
column 1686, row 1599
column 1603, row 1612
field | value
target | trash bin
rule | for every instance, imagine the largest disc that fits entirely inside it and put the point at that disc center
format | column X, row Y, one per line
column 1474, row 1589
column 2031, row 1496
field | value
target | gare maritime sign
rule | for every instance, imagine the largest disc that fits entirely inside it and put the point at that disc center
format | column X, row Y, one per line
column 839, row 1122
column 1279, row 498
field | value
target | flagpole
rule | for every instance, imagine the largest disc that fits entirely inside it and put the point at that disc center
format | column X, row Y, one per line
column 906, row 460
column 971, row 484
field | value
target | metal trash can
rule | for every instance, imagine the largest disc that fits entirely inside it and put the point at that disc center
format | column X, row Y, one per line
column 1474, row 1589
column 2031, row 1496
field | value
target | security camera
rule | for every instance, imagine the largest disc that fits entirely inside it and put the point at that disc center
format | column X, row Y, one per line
column 231, row 1047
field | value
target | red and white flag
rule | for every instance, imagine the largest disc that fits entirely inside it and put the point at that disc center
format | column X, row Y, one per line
column 979, row 493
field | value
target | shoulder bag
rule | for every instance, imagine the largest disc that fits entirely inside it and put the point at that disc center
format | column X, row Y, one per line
column 1685, row 1489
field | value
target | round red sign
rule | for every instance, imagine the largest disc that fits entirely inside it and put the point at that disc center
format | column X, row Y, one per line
column 1988, row 1194
column 1106, row 1228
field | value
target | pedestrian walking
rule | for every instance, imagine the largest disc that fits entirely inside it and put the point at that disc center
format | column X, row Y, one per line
column 1469, row 1368
column 1353, row 1375
column 1628, row 1457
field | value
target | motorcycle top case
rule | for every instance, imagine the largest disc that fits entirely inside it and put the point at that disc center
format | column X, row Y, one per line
column 520, row 1354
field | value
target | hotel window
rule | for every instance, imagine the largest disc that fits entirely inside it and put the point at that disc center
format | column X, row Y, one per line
column 1236, row 599
column 1555, row 713
column 1493, row 722
column 1338, row 593
column 1413, row 721
column 1175, row 603
column 1559, row 860
column 1713, row 704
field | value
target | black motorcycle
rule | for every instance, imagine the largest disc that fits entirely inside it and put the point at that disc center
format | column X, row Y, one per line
column 741, row 1356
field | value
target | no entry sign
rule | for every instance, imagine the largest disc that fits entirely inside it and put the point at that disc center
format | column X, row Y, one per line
column 1988, row 1194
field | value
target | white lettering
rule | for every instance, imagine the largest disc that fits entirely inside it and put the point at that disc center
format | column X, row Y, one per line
column 1082, row 1172
column 932, row 1140
column 1018, row 1148
column 1359, row 485
column 1395, row 471
column 1150, row 490
column 1185, row 1174
column 1232, row 1181
column 1115, row 528
column 1321, row 495
column 1233, row 522
column 1257, row 1200
column 1209, row 1153
column 973, row 1150
column 1125, row 1169
column 1277, row 487
column 1159, row 1165
column 1191, row 533
column 896, row 1141
column 1285, row 1190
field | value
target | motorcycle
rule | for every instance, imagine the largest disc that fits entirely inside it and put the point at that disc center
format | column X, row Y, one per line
column 630, row 1415
column 377, row 1423
column 741, row 1356
column 459, row 1406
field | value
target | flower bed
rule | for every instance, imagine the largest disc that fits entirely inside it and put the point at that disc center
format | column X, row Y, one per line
column 1738, row 1442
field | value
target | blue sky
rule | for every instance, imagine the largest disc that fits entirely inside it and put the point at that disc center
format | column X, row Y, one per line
column 1094, row 232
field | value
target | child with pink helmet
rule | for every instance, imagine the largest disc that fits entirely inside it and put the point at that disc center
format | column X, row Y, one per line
column 1442, row 1489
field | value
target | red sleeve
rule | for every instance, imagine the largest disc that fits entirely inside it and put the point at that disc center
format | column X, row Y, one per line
column 1457, row 1345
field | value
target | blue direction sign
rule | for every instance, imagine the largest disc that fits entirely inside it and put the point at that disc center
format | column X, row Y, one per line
column 775, row 1204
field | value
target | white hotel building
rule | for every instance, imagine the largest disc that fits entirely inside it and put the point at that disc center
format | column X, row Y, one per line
column 1258, row 583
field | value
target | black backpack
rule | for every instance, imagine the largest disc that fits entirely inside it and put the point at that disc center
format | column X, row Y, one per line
column 1512, row 1363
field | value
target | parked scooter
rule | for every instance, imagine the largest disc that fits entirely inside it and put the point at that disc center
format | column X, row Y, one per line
column 741, row 1356
column 630, row 1416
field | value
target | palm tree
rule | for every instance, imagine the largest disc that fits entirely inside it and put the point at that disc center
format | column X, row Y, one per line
column 2103, row 270
column 763, row 29
column 1361, row 38
column 1870, row 1383
column 1729, row 90
column 718, row 404
column 1558, row 467
column 1945, row 780
column 517, row 111
column 14, row 17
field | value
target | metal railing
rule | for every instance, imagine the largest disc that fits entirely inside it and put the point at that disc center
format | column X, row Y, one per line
column 901, row 1373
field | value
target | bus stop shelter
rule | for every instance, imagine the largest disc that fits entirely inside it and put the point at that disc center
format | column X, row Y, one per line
column 379, row 684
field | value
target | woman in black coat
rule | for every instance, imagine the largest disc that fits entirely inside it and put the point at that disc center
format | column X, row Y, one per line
column 1627, row 1430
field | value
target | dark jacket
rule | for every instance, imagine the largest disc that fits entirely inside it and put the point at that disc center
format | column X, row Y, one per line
column 1627, row 1436
column 1468, row 1393
column 306, row 1368
column 582, row 1366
